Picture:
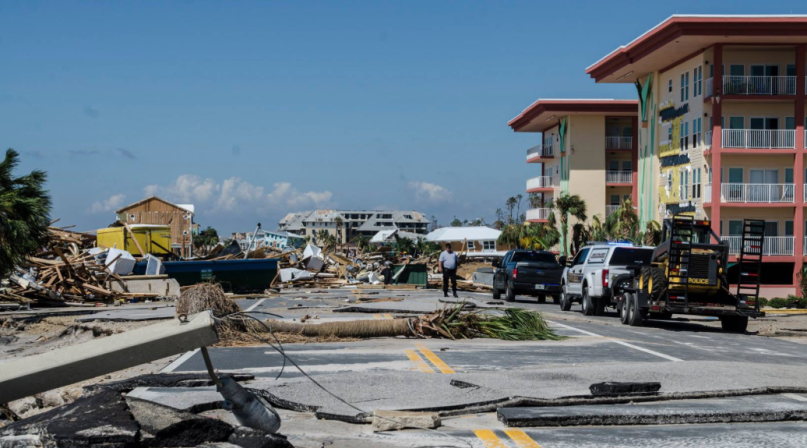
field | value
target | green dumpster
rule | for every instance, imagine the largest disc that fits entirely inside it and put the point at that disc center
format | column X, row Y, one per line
column 414, row 274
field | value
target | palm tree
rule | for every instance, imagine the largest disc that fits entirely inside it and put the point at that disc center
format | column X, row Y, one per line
column 338, row 221
column 566, row 205
column 510, row 236
column 652, row 233
column 623, row 223
column 362, row 242
column 24, row 210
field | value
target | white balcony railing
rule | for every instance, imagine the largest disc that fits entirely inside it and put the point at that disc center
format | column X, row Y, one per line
column 757, row 193
column 609, row 209
column 618, row 142
column 707, row 139
column 707, row 193
column 773, row 245
column 538, row 213
column 805, row 193
column 540, row 151
column 759, row 138
column 618, row 177
column 759, row 85
column 707, row 88
column 539, row 182
column 804, row 246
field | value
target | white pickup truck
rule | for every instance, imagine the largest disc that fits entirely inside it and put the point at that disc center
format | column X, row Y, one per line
column 589, row 278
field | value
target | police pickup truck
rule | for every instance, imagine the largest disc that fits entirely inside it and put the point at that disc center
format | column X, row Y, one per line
column 527, row 272
column 589, row 278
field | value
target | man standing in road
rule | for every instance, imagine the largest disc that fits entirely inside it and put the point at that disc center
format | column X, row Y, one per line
column 448, row 266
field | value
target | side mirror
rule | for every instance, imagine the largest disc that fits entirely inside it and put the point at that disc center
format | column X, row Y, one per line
column 562, row 260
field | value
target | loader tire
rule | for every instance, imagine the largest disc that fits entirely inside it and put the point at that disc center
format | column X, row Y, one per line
column 734, row 324
column 654, row 283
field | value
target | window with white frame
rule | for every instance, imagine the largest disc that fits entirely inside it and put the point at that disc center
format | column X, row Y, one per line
column 488, row 245
column 471, row 245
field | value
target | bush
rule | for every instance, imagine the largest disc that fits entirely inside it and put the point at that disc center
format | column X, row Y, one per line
column 801, row 302
column 763, row 302
column 778, row 302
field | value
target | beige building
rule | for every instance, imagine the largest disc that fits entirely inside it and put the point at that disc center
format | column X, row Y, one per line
column 347, row 224
column 722, row 131
column 588, row 148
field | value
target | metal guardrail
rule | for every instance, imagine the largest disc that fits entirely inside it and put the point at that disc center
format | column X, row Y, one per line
column 538, row 213
column 757, row 193
column 774, row 245
column 539, row 182
column 759, row 138
column 618, row 142
column 759, row 85
column 619, row 177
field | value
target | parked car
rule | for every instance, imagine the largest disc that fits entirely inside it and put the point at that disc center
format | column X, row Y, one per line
column 590, row 277
column 527, row 272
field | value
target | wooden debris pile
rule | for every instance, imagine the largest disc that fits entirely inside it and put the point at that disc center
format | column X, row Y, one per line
column 63, row 272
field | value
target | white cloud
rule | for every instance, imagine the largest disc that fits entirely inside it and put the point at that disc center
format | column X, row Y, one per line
column 429, row 192
column 113, row 203
column 236, row 194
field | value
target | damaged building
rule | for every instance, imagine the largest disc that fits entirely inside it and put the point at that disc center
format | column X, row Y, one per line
column 348, row 224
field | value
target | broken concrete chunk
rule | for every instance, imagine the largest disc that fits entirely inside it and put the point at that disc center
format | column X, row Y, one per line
column 252, row 438
column 397, row 420
column 616, row 388
column 154, row 417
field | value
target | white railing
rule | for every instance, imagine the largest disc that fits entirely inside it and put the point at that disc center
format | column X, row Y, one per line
column 707, row 193
column 540, row 151
column 538, row 213
column 609, row 209
column 618, row 142
column 757, row 193
column 618, row 177
column 707, row 139
column 805, row 193
column 804, row 246
column 759, row 85
column 707, row 88
column 539, row 182
column 759, row 138
column 773, row 245
column 805, row 138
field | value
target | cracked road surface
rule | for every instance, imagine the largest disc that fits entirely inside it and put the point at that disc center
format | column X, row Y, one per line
column 685, row 355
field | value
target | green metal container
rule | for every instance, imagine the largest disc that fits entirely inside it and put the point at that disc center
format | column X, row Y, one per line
column 415, row 274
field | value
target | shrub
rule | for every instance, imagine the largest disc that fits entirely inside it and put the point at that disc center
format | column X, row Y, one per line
column 763, row 302
column 802, row 302
column 778, row 302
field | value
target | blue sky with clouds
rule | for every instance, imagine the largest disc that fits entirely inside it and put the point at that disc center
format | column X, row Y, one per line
column 251, row 110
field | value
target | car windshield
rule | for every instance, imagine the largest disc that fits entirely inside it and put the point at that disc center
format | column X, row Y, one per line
column 631, row 255
column 538, row 257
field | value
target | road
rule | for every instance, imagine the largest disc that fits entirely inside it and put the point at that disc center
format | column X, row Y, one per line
column 396, row 373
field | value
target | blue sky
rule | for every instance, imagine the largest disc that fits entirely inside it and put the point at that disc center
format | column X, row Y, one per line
column 251, row 110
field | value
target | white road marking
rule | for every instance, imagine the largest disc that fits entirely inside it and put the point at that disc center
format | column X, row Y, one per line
column 795, row 397
column 179, row 361
column 699, row 336
column 636, row 347
column 255, row 305
column 691, row 345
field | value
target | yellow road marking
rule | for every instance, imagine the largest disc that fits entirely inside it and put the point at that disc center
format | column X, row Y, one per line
column 489, row 438
column 376, row 316
column 388, row 316
column 441, row 366
column 521, row 438
column 419, row 362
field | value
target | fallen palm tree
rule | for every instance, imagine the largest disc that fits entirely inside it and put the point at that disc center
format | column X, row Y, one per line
column 450, row 322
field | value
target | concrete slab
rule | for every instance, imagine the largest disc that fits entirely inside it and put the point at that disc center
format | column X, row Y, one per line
column 725, row 410
column 137, row 314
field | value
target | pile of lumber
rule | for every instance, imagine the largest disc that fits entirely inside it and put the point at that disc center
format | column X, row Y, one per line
column 63, row 272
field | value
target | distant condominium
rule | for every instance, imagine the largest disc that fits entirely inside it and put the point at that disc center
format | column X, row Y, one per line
column 351, row 223
column 717, row 131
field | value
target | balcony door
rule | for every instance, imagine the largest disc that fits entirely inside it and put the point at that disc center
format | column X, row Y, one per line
column 763, row 186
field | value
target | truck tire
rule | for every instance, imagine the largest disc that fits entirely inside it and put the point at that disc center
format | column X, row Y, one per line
column 635, row 317
column 497, row 295
column 624, row 309
column 734, row 324
column 542, row 299
column 659, row 285
column 509, row 294
column 588, row 304
column 565, row 300
column 555, row 298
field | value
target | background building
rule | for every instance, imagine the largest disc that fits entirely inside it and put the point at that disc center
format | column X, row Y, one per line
column 588, row 148
column 722, row 135
column 347, row 224
column 476, row 239
column 155, row 210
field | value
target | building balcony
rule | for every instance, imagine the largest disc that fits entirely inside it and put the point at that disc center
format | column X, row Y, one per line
column 610, row 209
column 754, row 85
column 618, row 142
column 707, row 88
column 618, row 177
column 707, row 139
column 759, row 138
column 754, row 193
column 538, row 214
column 540, row 152
column 540, row 182
column 773, row 245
